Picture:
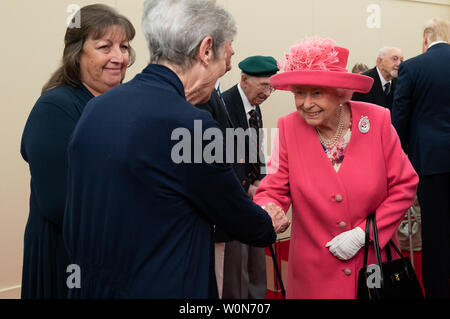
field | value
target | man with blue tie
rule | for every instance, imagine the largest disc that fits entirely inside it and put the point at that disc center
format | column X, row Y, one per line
column 384, row 75
column 421, row 115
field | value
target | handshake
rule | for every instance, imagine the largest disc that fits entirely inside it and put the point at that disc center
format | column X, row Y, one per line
column 279, row 220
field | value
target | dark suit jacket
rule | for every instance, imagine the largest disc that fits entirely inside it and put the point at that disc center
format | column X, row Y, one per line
column 376, row 94
column 421, row 111
column 237, row 113
column 219, row 112
column 139, row 222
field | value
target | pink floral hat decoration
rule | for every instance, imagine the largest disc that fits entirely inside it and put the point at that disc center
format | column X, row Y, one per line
column 318, row 62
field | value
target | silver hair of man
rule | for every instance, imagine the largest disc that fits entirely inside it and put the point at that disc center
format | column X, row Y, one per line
column 382, row 52
column 174, row 29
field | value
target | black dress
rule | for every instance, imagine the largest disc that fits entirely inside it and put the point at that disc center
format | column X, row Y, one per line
column 44, row 146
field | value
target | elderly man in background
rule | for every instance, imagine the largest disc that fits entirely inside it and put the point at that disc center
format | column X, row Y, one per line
column 244, row 265
column 384, row 75
column 138, row 222
column 421, row 115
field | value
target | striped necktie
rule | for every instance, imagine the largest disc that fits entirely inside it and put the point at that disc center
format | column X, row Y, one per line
column 387, row 88
column 255, row 146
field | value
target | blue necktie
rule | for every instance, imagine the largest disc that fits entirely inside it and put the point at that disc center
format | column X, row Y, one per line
column 387, row 88
column 255, row 146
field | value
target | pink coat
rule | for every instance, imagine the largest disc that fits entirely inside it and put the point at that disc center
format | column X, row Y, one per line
column 375, row 175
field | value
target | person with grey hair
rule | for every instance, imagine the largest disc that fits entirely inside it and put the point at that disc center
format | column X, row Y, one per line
column 384, row 75
column 139, row 221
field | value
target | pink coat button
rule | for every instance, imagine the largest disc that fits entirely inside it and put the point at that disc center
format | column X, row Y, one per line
column 347, row 272
column 342, row 224
column 338, row 198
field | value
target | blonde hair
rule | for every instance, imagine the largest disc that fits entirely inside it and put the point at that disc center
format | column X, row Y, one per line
column 437, row 29
column 359, row 68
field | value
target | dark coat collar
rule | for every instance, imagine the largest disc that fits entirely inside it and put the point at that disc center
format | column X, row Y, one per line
column 437, row 46
column 160, row 75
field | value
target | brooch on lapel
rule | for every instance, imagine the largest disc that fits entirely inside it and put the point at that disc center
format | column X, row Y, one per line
column 364, row 124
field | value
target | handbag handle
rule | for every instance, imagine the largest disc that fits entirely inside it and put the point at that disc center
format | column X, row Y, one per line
column 371, row 219
column 376, row 243
column 388, row 250
column 367, row 242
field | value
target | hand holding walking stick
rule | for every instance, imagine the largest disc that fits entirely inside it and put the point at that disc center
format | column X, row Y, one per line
column 280, row 224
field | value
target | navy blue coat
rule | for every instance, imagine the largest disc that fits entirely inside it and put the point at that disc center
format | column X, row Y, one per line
column 44, row 146
column 138, row 224
column 235, row 106
column 421, row 110
column 219, row 113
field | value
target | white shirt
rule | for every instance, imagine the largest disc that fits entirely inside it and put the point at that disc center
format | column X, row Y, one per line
column 247, row 106
column 435, row 42
column 383, row 81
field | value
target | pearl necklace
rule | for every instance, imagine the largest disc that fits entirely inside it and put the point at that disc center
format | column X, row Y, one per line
column 329, row 143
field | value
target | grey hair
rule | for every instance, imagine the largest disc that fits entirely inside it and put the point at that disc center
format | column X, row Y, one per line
column 174, row 29
column 382, row 52
column 344, row 95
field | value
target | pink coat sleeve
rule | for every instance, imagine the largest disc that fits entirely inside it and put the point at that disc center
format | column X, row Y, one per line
column 274, row 188
column 402, row 183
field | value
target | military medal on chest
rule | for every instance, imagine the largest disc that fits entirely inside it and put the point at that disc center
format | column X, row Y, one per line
column 364, row 124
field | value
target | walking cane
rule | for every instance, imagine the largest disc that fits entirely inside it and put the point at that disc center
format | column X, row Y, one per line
column 277, row 270
column 411, row 255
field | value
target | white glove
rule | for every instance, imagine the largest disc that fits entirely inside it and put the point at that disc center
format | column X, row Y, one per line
column 345, row 245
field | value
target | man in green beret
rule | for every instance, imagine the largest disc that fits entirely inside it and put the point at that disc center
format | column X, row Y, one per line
column 245, row 266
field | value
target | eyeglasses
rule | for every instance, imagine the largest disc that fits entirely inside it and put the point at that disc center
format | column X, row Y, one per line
column 265, row 87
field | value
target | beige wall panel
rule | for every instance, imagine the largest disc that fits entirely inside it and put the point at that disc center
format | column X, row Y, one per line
column 267, row 28
column 133, row 11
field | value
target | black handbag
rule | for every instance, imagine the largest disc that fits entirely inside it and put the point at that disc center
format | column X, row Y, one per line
column 393, row 279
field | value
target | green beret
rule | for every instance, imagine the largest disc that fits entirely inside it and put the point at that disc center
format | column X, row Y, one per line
column 261, row 66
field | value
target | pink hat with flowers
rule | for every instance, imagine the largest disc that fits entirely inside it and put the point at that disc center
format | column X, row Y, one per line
column 318, row 62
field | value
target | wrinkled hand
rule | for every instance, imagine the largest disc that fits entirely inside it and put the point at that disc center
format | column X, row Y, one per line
column 279, row 220
column 251, row 191
column 345, row 245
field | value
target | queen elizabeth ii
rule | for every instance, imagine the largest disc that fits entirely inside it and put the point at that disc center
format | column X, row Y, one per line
column 336, row 161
